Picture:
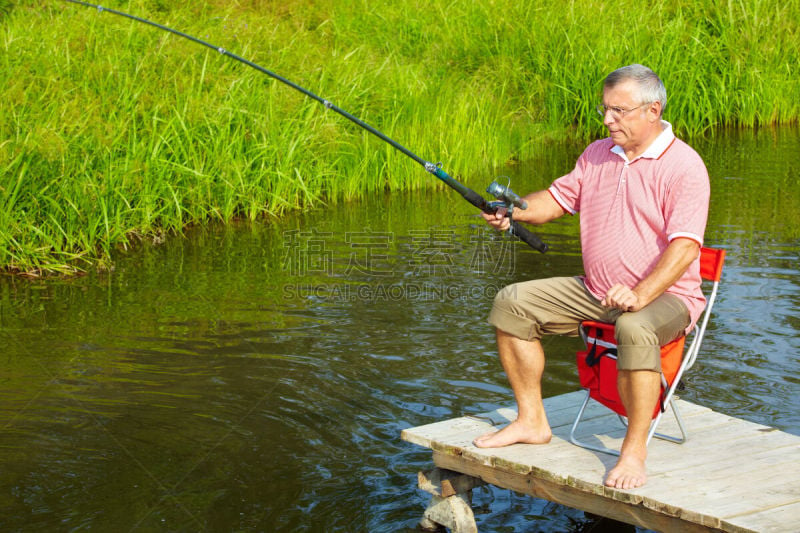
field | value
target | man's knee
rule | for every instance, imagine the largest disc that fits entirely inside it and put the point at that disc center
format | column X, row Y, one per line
column 511, row 314
column 550, row 306
column 506, row 299
column 631, row 330
column 637, row 343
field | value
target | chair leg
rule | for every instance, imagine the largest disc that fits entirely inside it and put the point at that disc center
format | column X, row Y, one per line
column 574, row 440
column 675, row 411
column 678, row 419
column 654, row 424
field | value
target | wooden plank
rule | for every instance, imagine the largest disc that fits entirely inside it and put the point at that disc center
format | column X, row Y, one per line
column 700, row 476
column 714, row 443
column 593, row 502
column 457, row 439
column 454, row 434
column 723, row 464
column 724, row 477
column 561, row 411
column 560, row 456
column 443, row 431
column 564, row 458
column 773, row 520
column 717, row 487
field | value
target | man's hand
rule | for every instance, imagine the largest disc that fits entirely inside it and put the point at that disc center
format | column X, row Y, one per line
column 542, row 208
column 623, row 298
column 670, row 267
column 497, row 220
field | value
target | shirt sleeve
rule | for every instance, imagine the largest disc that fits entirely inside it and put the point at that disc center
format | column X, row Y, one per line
column 566, row 190
column 686, row 209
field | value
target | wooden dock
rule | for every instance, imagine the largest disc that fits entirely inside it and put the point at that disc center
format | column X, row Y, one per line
column 730, row 475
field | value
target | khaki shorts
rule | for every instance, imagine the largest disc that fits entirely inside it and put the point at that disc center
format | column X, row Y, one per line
column 556, row 306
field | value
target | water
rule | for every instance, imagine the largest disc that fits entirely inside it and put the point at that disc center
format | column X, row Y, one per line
column 257, row 377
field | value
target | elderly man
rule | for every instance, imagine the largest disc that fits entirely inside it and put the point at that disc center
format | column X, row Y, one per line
column 643, row 197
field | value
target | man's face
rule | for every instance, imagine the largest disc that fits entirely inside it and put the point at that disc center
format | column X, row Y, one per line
column 635, row 124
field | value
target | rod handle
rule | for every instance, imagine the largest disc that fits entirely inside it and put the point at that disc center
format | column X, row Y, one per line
column 527, row 236
column 517, row 229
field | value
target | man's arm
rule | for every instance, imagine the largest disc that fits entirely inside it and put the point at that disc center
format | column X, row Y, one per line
column 541, row 208
column 670, row 267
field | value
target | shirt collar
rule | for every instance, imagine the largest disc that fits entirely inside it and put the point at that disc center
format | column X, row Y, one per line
column 656, row 148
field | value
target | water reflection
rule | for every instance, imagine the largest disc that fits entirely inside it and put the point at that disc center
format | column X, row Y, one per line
column 257, row 377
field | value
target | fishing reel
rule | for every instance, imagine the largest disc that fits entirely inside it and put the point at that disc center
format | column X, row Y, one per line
column 505, row 197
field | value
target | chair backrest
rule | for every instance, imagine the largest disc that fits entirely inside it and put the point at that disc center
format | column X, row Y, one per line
column 711, row 261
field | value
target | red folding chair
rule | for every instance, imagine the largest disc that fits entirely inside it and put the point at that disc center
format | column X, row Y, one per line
column 597, row 367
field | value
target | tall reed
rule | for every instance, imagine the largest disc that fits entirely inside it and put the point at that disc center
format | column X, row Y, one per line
column 112, row 131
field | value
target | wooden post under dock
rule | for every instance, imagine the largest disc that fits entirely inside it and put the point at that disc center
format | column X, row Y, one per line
column 730, row 475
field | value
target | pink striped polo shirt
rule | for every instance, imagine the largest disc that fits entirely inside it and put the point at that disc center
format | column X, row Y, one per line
column 631, row 210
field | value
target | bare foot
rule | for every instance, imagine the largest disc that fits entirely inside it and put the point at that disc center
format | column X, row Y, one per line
column 515, row 432
column 628, row 473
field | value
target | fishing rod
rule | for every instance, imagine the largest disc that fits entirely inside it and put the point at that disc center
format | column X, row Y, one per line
column 506, row 198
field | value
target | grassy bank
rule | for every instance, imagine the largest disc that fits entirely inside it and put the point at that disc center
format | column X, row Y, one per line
column 111, row 130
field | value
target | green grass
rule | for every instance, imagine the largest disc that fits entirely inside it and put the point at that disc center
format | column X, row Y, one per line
column 112, row 131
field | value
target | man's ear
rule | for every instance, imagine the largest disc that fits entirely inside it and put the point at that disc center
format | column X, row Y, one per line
column 654, row 111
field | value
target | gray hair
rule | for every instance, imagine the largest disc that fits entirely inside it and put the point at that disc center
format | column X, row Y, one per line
column 651, row 88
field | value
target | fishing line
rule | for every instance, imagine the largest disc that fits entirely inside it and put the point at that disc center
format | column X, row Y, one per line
column 507, row 197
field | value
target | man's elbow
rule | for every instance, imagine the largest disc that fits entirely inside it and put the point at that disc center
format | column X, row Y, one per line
column 687, row 249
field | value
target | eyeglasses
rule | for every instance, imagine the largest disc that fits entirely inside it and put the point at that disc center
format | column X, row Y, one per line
column 617, row 112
